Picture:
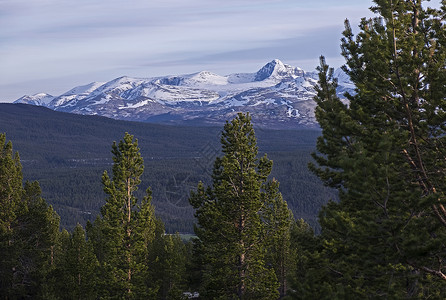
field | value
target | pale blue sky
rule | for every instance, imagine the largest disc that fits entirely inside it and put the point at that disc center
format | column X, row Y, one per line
column 53, row 45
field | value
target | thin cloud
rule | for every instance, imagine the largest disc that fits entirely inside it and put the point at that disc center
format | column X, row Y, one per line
column 46, row 39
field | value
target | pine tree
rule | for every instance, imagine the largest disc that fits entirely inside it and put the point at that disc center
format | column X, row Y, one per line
column 230, row 229
column 37, row 235
column 383, row 152
column 168, row 258
column 28, row 231
column 278, row 220
column 11, row 207
column 122, row 235
column 76, row 273
column 308, row 279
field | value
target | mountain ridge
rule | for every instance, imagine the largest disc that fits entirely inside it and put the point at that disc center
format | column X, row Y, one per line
column 278, row 95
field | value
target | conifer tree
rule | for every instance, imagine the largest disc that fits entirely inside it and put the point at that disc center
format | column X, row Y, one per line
column 230, row 229
column 384, row 152
column 11, row 208
column 122, row 235
column 308, row 279
column 167, row 259
column 76, row 274
column 28, row 231
column 278, row 220
column 37, row 235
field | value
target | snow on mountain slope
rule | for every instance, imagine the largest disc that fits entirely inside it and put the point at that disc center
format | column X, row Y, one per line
column 41, row 99
column 278, row 95
column 276, row 70
column 203, row 79
column 76, row 94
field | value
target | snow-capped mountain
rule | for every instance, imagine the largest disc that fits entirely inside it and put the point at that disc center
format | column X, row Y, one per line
column 278, row 95
column 41, row 99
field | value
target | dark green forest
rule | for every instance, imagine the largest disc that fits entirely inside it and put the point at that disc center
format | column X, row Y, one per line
column 67, row 154
column 125, row 252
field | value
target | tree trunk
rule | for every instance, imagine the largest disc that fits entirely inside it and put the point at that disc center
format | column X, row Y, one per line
column 241, row 262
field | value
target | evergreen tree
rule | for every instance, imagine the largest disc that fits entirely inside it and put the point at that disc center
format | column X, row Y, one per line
column 308, row 273
column 277, row 219
column 383, row 151
column 37, row 235
column 168, row 258
column 230, row 229
column 28, row 231
column 11, row 208
column 75, row 276
column 122, row 235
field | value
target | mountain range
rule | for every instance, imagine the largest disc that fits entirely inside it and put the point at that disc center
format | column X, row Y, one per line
column 277, row 96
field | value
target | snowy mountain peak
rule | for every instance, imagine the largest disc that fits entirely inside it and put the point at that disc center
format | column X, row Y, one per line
column 277, row 70
column 84, row 89
column 118, row 85
column 269, row 69
column 79, row 92
column 278, row 95
column 40, row 99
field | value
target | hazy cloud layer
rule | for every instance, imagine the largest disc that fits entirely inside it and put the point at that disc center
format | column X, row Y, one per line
column 53, row 45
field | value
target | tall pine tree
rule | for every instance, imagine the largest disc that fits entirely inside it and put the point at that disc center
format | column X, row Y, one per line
column 384, row 152
column 230, row 228
column 28, row 231
column 11, row 208
column 121, row 237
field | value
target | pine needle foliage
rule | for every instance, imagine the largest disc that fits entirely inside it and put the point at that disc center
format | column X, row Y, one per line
column 383, row 149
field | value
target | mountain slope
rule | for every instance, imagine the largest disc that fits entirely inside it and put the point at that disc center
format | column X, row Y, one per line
column 41, row 99
column 67, row 154
column 278, row 96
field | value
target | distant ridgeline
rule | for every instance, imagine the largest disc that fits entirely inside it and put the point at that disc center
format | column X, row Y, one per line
column 278, row 96
column 67, row 154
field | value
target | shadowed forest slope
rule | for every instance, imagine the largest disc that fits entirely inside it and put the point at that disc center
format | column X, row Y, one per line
column 68, row 153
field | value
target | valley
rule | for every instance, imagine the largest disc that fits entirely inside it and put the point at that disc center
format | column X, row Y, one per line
column 67, row 154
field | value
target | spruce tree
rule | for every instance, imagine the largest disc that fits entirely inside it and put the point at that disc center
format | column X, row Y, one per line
column 121, row 237
column 383, row 151
column 230, row 229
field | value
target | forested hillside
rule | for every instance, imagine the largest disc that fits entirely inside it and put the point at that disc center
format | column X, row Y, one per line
column 68, row 153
